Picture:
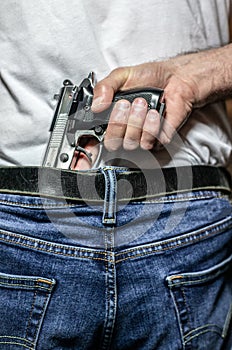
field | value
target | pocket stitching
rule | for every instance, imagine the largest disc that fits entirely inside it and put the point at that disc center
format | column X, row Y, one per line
column 227, row 322
column 14, row 343
column 40, row 320
column 208, row 329
column 31, row 313
column 207, row 275
column 41, row 297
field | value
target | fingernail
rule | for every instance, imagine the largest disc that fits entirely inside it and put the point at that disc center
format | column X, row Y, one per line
column 139, row 104
column 152, row 114
column 122, row 105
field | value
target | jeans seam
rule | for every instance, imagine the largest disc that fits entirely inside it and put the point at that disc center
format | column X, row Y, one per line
column 215, row 229
column 190, row 239
column 227, row 322
column 190, row 198
column 199, row 280
column 179, row 322
column 23, row 285
column 111, row 291
column 32, row 308
column 56, row 253
column 36, row 332
column 155, row 200
column 17, row 338
column 54, row 245
column 208, row 329
column 36, row 206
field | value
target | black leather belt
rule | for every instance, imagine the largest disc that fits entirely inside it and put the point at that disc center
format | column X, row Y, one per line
column 133, row 184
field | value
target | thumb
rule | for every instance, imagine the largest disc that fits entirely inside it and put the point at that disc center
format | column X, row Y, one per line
column 105, row 90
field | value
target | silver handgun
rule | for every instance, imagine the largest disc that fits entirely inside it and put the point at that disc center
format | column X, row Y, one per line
column 74, row 122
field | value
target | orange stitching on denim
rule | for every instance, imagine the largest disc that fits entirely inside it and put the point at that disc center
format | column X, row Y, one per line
column 199, row 280
column 175, row 277
column 8, row 277
column 45, row 281
column 25, row 279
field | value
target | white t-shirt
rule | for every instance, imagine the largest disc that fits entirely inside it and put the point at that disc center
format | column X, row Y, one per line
column 44, row 42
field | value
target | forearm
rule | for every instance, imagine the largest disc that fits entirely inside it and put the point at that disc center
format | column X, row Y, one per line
column 209, row 72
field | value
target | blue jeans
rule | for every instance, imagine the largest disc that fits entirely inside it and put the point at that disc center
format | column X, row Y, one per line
column 145, row 275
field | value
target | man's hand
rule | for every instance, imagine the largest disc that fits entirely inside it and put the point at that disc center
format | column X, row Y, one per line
column 132, row 125
column 190, row 80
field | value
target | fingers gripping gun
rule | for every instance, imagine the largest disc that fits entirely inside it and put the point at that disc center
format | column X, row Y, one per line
column 74, row 122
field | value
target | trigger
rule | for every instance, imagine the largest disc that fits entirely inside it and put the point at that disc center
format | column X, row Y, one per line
column 82, row 150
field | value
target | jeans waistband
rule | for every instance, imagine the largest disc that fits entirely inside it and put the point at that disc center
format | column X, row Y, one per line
column 132, row 184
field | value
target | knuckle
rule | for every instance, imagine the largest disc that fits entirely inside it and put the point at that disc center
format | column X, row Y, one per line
column 118, row 71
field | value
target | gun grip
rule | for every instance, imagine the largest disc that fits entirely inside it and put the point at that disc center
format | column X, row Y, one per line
column 153, row 96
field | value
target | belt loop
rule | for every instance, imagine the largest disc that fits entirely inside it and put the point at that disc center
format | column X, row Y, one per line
column 110, row 199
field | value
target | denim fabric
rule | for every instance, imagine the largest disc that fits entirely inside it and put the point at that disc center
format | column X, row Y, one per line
column 160, row 278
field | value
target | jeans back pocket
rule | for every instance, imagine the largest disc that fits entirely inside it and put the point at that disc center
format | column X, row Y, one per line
column 203, row 303
column 23, row 302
